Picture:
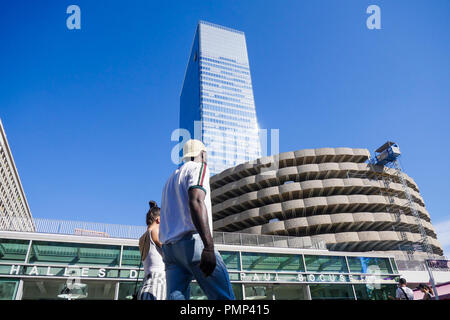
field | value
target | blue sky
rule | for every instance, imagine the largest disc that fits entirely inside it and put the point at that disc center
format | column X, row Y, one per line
column 89, row 113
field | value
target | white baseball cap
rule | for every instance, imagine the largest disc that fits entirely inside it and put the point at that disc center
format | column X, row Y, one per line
column 192, row 148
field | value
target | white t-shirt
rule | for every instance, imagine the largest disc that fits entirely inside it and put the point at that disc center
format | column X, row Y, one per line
column 176, row 219
column 401, row 295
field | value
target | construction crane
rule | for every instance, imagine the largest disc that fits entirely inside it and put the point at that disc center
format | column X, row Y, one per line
column 387, row 155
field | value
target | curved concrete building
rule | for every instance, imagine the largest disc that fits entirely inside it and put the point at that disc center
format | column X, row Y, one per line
column 329, row 194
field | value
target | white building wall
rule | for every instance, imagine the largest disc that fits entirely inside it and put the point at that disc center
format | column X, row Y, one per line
column 15, row 213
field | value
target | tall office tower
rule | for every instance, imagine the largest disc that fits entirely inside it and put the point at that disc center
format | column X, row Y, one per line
column 15, row 213
column 217, row 92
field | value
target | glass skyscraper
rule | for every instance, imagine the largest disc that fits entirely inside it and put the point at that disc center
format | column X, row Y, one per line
column 216, row 103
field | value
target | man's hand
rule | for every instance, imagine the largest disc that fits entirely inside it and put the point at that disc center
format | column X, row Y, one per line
column 200, row 219
column 208, row 262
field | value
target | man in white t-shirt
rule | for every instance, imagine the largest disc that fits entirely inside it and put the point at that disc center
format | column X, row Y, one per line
column 403, row 292
column 186, row 230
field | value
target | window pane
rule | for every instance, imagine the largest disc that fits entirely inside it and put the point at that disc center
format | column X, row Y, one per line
column 375, row 292
column 127, row 289
column 13, row 250
column 237, row 289
column 290, row 292
column 325, row 264
column 8, row 289
column 394, row 265
column 131, row 256
column 369, row 265
column 331, row 291
column 74, row 253
column 258, row 292
column 272, row 262
column 231, row 259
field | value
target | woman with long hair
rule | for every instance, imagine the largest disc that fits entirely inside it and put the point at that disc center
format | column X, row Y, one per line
column 427, row 291
column 154, row 283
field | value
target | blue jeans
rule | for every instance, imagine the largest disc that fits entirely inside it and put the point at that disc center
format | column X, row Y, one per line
column 182, row 260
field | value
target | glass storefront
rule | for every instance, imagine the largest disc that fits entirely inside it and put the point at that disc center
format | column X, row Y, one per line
column 37, row 269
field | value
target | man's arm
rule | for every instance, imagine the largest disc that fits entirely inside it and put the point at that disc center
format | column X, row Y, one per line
column 199, row 217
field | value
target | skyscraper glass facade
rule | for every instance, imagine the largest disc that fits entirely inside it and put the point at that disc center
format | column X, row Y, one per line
column 217, row 92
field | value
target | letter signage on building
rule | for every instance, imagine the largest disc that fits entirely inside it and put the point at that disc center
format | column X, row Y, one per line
column 292, row 277
column 31, row 270
column 66, row 272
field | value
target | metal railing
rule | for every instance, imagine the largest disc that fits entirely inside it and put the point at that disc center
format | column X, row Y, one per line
column 246, row 239
column 104, row 230
column 93, row 229
column 414, row 263
column 80, row 228
column 410, row 265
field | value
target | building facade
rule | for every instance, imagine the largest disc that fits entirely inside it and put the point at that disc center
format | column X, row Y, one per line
column 15, row 213
column 217, row 104
column 329, row 194
column 35, row 266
